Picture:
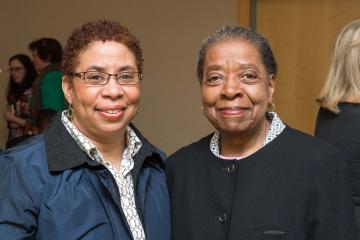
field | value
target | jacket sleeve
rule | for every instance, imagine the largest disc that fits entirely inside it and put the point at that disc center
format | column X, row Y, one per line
column 18, row 200
column 331, row 211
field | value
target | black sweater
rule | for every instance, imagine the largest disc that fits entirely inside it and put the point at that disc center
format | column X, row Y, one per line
column 343, row 131
column 292, row 188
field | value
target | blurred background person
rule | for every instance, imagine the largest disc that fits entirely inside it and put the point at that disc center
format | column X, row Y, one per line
column 43, row 119
column 339, row 114
column 46, row 56
column 254, row 177
column 91, row 174
column 19, row 98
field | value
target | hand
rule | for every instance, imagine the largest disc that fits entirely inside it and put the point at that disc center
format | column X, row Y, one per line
column 8, row 115
column 13, row 125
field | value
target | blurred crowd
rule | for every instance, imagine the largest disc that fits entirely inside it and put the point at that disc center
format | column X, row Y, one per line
column 34, row 91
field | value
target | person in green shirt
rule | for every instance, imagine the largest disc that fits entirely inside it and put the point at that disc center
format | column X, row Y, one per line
column 48, row 94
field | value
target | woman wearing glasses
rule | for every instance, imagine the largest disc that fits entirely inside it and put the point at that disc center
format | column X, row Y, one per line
column 19, row 97
column 91, row 175
column 255, row 177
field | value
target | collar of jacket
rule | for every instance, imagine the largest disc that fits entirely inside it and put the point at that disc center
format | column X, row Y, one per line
column 62, row 152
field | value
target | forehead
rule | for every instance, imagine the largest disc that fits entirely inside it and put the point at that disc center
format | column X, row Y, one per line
column 105, row 54
column 233, row 50
column 16, row 62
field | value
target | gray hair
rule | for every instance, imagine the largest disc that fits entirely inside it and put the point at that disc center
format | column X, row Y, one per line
column 229, row 32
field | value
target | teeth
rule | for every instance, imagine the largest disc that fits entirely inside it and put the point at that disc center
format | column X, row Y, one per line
column 112, row 111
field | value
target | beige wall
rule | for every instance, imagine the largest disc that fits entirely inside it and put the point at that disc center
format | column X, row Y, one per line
column 171, row 33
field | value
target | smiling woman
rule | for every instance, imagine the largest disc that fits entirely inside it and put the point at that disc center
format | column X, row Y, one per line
column 91, row 165
column 103, row 109
column 236, row 91
column 254, row 177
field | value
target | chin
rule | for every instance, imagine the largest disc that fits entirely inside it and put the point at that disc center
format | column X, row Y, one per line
column 113, row 129
column 234, row 129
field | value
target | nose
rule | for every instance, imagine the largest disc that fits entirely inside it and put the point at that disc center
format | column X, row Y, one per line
column 231, row 88
column 112, row 89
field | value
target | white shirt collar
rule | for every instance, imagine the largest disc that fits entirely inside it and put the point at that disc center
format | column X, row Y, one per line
column 277, row 126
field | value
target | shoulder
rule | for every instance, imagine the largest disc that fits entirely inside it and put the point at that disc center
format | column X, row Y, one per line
column 148, row 155
column 306, row 147
column 51, row 75
column 24, row 168
column 55, row 73
column 25, row 156
column 347, row 111
column 293, row 137
column 187, row 153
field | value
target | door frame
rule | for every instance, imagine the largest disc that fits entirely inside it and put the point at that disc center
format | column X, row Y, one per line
column 247, row 13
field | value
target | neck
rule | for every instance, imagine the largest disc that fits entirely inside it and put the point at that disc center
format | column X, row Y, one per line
column 44, row 67
column 244, row 144
column 112, row 149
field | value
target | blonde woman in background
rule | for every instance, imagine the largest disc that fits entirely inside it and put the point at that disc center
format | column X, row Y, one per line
column 339, row 115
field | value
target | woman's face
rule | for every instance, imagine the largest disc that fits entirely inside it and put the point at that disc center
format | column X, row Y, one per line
column 101, row 111
column 236, row 87
column 17, row 71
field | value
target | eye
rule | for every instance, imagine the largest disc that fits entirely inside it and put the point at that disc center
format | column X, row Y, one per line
column 214, row 79
column 95, row 76
column 126, row 76
column 249, row 76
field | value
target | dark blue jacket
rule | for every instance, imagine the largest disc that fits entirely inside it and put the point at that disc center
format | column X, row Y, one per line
column 50, row 189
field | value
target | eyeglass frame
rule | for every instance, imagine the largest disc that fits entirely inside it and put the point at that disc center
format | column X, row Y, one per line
column 15, row 69
column 81, row 75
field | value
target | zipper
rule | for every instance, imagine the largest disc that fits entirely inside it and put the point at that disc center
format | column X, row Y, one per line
column 118, row 202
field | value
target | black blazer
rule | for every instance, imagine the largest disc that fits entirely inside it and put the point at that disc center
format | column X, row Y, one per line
column 292, row 188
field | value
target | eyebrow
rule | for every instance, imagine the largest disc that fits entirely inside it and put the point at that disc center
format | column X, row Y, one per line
column 214, row 67
column 101, row 69
column 240, row 66
column 248, row 66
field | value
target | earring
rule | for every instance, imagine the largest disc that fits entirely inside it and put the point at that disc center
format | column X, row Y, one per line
column 70, row 111
column 271, row 107
column 202, row 109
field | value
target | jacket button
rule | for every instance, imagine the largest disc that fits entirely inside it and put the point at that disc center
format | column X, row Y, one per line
column 222, row 217
column 231, row 168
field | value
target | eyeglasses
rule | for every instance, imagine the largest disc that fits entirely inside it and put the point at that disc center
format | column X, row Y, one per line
column 101, row 78
column 15, row 69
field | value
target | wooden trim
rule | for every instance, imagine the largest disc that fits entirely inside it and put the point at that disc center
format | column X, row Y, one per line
column 244, row 13
column 247, row 13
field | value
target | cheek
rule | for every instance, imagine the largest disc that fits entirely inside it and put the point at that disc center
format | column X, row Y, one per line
column 209, row 97
column 83, row 96
column 259, row 94
column 22, row 75
column 133, row 95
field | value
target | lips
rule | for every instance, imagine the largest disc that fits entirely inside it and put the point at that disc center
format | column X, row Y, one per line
column 112, row 113
column 233, row 110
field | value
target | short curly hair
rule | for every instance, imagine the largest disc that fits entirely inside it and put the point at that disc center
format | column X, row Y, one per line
column 100, row 30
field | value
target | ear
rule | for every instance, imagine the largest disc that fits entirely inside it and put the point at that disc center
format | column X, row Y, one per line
column 271, row 87
column 67, row 88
